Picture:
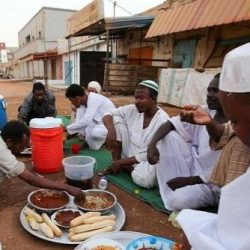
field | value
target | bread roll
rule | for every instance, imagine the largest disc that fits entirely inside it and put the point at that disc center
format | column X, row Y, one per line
column 99, row 218
column 86, row 235
column 94, row 226
column 79, row 220
column 56, row 230
column 33, row 224
column 33, row 214
column 46, row 230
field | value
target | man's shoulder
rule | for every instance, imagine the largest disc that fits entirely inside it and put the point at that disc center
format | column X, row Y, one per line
column 50, row 94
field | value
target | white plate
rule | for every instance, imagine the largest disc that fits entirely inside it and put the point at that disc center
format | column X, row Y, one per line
column 123, row 237
column 94, row 242
column 116, row 210
column 27, row 151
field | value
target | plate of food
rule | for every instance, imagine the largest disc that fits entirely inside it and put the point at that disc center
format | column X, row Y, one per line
column 150, row 243
column 81, row 228
column 63, row 217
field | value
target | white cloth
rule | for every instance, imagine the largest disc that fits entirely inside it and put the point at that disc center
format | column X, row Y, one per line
column 129, row 128
column 229, row 230
column 88, row 121
column 9, row 165
column 235, row 75
column 186, row 152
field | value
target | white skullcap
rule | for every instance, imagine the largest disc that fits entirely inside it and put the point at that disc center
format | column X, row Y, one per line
column 235, row 74
column 95, row 85
column 150, row 84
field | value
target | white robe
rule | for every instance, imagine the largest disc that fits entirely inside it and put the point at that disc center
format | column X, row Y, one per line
column 128, row 123
column 88, row 121
column 186, row 152
column 230, row 229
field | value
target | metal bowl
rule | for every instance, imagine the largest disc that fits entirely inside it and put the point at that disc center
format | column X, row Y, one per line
column 49, row 201
column 96, row 201
column 54, row 216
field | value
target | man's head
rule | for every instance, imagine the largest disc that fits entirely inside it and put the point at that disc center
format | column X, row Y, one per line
column 16, row 136
column 146, row 95
column 94, row 86
column 38, row 92
column 75, row 94
column 235, row 90
column 213, row 94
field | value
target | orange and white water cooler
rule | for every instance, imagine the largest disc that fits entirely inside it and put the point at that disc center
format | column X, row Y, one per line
column 47, row 144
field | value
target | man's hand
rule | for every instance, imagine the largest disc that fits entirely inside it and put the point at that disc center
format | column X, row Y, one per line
column 153, row 154
column 180, row 182
column 195, row 115
column 75, row 191
column 111, row 142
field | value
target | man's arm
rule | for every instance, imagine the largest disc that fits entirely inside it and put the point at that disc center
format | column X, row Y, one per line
column 25, row 109
column 197, row 115
column 111, row 135
column 39, row 181
column 180, row 182
column 152, row 151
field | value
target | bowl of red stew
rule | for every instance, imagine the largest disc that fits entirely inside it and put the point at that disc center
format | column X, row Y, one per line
column 48, row 201
column 96, row 200
column 63, row 217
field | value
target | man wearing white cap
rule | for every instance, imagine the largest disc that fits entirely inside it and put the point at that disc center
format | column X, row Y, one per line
column 229, row 229
column 130, row 129
column 95, row 87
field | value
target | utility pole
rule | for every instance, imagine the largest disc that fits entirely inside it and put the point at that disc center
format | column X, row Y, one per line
column 114, row 6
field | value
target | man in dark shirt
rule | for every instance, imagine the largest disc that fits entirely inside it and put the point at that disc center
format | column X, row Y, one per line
column 38, row 104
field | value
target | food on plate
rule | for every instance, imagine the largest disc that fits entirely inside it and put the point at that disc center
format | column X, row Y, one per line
column 91, row 224
column 33, row 214
column 96, row 201
column 46, row 230
column 64, row 217
column 32, row 222
column 86, row 235
column 79, row 220
column 94, row 226
column 99, row 218
column 49, row 199
column 56, row 230
column 104, row 247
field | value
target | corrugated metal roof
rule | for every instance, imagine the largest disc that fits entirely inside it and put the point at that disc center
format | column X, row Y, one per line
column 195, row 14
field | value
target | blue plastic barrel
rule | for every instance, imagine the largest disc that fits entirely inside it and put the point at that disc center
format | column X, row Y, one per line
column 3, row 116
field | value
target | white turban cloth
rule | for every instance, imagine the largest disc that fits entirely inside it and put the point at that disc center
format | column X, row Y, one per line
column 235, row 74
column 95, row 85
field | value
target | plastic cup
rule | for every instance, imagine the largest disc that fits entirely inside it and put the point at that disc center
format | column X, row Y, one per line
column 79, row 171
column 75, row 148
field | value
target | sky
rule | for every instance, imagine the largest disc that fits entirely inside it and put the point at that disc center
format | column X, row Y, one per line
column 14, row 14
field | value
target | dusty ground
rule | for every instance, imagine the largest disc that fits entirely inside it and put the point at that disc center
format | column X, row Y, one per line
column 13, row 192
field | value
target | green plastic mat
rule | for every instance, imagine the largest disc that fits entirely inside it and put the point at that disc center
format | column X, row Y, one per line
column 122, row 180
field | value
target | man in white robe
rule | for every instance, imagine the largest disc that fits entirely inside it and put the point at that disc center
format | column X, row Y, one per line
column 186, row 160
column 90, row 111
column 230, row 228
column 130, row 128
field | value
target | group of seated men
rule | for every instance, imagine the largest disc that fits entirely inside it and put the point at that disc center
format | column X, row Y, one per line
column 190, row 156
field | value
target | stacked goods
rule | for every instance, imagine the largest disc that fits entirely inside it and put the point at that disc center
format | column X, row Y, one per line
column 90, row 224
column 81, row 228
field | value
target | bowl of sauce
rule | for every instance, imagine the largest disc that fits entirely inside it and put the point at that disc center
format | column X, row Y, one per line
column 48, row 201
column 96, row 200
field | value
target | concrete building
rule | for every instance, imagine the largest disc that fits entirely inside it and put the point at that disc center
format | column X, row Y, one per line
column 3, row 53
column 37, row 56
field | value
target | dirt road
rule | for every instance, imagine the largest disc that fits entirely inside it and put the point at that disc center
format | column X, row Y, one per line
column 13, row 192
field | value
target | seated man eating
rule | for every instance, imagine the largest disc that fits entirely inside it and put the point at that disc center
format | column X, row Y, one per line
column 130, row 129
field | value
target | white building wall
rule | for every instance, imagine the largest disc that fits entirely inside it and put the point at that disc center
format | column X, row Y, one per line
column 3, row 56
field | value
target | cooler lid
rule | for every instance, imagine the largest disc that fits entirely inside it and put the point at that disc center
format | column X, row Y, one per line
column 48, row 122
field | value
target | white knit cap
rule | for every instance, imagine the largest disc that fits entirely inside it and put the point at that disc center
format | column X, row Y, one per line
column 150, row 84
column 95, row 85
column 235, row 74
